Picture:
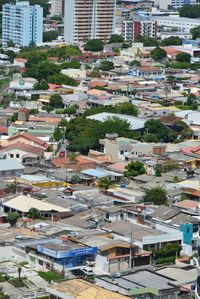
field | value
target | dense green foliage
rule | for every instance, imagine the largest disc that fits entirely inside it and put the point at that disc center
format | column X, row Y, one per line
column 50, row 276
column 167, row 254
column 34, row 213
column 190, row 11
column 195, row 32
column 134, row 168
column 158, row 54
column 183, row 57
column 172, row 40
column 56, row 101
column 147, row 41
column 83, row 134
column 115, row 38
column 157, row 196
column 122, row 108
column 49, row 36
column 12, row 218
column 106, row 65
column 94, row 45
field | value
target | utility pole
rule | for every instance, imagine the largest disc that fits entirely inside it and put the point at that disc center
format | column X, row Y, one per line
column 130, row 258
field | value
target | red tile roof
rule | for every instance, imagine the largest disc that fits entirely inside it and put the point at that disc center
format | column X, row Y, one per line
column 59, row 162
column 45, row 119
column 24, row 147
column 30, row 137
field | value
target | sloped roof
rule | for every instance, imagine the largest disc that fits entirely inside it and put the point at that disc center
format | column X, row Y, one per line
column 24, row 203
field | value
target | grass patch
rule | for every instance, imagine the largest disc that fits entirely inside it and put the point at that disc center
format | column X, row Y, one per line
column 43, row 297
column 2, row 296
column 18, row 283
column 51, row 275
column 22, row 264
column 4, row 277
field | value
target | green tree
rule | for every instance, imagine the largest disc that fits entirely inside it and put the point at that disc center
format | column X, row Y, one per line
column 135, row 63
column 12, row 55
column 106, row 65
column 127, row 108
column 158, row 54
column 34, row 213
column 61, row 79
column 154, row 126
column 75, row 179
column 147, row 41
column 49, row 36
column 134, row 168
column 12, row 218
column 58, row 134
column 157, row 195
column 72, row 157
column 115, row 38
column 71, row 65
column 11, row 188
column 10, row 43
column 172, row 40
column 195, row 32
column 150, row 138
column 56, row 101
column 190, row 11
column 95, row 74
column 192, row 101
column 183, row 57
column 94, row 45
column 104, row 184
column 42, row 85
column 70, row 110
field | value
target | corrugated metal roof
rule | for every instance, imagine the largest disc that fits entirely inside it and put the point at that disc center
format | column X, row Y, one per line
column 10, row 164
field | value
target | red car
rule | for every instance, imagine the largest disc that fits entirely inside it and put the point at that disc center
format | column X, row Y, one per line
column 62, row 154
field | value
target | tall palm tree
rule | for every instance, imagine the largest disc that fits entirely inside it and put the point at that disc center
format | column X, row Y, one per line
column 104, row 184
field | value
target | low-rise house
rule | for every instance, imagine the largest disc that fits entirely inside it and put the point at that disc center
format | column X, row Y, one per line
column 20, row 62
column 148, row 72
column 80, row 289
column 146, row 237
column 28, row 139
column 78, row 164
column 10, row 168
column 25, row 153
column 54, row 254
column 142, row 284
column 22, row 204
column 21, row 86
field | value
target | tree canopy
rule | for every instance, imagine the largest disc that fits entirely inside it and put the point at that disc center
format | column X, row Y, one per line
column 56, row 101
column 147, row 41
column 106, row 65
column 158, row 54
column 134, row 168
column 195, row 32
column 94, row 45
column 115, row 38
column 171, row 41
column 12, row 218
column 157, row 195
column 183, row 57
column 190, row 11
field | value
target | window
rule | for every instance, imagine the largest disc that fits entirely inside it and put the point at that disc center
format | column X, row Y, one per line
column 17, row 156
column 11, row 156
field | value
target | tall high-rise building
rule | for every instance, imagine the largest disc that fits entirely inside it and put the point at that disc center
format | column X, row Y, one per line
column 22, row 24
column 133, row 29
column 88, row 19
column 57, row 8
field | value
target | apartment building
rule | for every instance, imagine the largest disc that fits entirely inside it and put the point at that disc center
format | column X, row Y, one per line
column 22, row 24
column 132, row 29
column 57, row 8
column 175, row 4
column 177, row 23
column 87, row 19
